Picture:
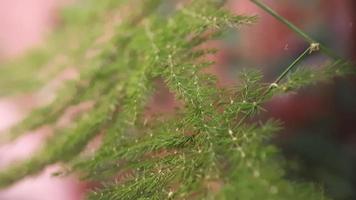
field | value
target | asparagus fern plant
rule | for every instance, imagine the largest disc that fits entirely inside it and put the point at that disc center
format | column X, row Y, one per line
column 209, row 149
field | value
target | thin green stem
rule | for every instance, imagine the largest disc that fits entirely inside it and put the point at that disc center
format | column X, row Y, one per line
column 313, row 47
column 291, row 66
column 294, row 28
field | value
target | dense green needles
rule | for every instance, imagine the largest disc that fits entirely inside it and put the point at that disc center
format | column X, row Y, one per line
column 209, row 149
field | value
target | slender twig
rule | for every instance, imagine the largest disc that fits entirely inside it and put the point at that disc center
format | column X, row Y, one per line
column 291, row 66
column 294, row 28
column 313, row 47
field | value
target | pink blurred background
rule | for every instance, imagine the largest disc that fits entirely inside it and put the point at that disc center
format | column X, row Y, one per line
column 25, row 24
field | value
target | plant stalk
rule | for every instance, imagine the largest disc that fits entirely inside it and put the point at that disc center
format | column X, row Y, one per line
column 295, row 29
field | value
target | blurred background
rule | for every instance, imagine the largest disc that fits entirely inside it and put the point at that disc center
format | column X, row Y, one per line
column 320, row 134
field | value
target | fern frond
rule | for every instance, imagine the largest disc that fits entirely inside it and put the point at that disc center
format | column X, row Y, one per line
column 210, row 149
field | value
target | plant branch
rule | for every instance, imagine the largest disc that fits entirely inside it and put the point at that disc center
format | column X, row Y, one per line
column 294, row 28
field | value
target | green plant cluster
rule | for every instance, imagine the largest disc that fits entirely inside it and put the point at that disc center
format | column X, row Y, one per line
column 209, row 149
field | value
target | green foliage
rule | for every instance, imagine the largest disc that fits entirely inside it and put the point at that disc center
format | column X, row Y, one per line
column 209, row 149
